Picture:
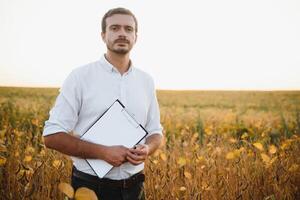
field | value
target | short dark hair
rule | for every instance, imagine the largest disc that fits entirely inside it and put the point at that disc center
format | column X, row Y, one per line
column 114, row 11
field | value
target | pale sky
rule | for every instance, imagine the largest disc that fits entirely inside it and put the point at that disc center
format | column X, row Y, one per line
column 212, row 44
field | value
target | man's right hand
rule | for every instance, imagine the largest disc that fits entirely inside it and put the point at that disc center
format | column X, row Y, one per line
column 115, row 155
column 73, row 146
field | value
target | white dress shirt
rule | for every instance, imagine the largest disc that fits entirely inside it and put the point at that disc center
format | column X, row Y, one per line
column 89, row 90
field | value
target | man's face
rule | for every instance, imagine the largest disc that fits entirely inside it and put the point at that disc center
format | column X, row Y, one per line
column 120, row 35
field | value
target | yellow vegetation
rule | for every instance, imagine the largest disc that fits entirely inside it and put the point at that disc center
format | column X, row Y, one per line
column 217, row 145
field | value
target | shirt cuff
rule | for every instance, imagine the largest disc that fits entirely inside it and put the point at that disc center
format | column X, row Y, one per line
column 153, row 132
column 52, row 129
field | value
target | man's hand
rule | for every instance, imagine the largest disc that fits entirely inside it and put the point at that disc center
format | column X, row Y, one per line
column 138, row 154
column 115, row 155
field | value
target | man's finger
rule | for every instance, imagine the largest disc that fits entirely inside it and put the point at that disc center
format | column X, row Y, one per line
column 138, row 151
column 135, row 156
column 134, row 162
column 142, row 147
column 139, row 146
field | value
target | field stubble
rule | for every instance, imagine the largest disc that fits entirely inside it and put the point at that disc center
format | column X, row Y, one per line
column 217, row 145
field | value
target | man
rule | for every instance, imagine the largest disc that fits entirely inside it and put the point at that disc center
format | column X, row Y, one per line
column 86, row 93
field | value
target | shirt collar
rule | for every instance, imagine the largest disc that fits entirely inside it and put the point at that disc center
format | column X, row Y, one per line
column 110, row 68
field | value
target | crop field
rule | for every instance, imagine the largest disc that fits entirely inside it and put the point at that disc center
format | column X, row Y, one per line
column 217, row 145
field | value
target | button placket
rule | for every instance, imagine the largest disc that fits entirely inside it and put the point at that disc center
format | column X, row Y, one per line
column 118, row 80
column 122, row 89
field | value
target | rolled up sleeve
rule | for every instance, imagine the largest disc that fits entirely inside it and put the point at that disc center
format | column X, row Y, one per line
column 64, row 115
column 153, row 125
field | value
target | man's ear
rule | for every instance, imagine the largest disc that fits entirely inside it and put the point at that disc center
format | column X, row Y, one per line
column 103, row 36
column 136, row 36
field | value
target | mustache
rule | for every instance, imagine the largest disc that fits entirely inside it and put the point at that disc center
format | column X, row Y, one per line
column 122, row 41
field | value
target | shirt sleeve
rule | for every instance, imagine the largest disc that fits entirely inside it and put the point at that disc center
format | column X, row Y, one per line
column 153, row 125
column 64, row 115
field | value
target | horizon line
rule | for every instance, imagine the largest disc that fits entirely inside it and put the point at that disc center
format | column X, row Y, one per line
column 175, row 89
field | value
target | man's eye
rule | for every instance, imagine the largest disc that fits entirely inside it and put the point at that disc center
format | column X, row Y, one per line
column 114, row 28
column 129, row 29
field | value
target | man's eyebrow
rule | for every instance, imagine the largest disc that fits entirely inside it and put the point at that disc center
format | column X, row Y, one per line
column 121, row 25
column 129, row 26
column 114, row 25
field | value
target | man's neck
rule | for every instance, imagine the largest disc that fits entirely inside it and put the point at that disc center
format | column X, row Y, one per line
column 121, row 62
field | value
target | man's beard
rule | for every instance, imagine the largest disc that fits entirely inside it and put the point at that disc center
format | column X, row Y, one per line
column 118, row 51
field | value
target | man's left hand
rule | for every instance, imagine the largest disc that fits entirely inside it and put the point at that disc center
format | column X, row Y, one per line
column 138, row 154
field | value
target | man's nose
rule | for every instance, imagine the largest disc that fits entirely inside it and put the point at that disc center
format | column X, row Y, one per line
column 122, row 32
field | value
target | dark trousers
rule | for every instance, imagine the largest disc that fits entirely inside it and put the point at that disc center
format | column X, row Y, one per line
column 108, row 192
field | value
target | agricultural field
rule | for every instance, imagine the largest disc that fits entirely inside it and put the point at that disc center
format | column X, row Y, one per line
column 217, row 145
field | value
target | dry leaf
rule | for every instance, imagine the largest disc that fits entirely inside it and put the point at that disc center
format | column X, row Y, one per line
column 3, row 148
column 272, row 149
column 265, row 158
column 155, row 162
column 67, row 189
column 56, row 163
column 182, row 188
column 27, row 158
column 181, row 161
column 230, row 155
column 294, row 168
column 2, row 161
column 188, row 175
column 232, row 140
column 259, row 146
column 84, row 193
column 163, row 156
column 245, row 135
